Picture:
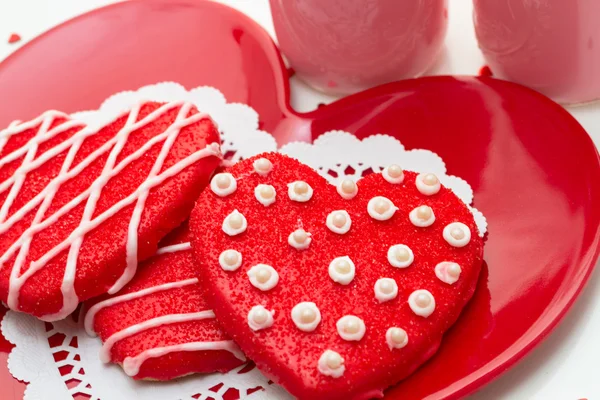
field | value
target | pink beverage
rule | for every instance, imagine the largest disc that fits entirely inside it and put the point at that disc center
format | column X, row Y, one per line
column 552, row 46
column 344, row 46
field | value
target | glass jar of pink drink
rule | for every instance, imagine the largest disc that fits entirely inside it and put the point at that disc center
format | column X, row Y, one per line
column 552, row 46
column 344, row 46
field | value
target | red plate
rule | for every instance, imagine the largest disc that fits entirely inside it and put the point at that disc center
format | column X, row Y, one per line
column 534, row 170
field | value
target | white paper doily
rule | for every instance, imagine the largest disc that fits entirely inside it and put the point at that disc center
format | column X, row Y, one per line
column 238, row 123
column 71, row 366
column 58, row 360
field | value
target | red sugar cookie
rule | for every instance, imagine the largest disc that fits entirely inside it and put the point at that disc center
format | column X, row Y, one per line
column 80, row 205
column 159, row 326
column 335, row 293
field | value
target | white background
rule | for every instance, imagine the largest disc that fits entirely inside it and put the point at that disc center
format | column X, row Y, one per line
column 566, row 365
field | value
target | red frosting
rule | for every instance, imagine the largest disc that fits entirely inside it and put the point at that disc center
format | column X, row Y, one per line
column 289, row 355
column 101, row 260
column 160, row 269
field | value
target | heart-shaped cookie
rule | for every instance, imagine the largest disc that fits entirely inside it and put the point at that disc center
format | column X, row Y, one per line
column 334, row 292
column 159, row 326
column 80, row 205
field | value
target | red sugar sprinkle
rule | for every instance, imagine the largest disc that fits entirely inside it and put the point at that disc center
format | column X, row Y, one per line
column 14, row 38
column 485, row 71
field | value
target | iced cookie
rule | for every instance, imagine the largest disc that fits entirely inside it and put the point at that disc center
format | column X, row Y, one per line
column 159, row 326
column 80, row 205
column 334, row 292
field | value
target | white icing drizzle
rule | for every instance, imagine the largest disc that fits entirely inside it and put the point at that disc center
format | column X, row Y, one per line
column 457, row 234
column 262, row 166
column 20, row 248
column 91, row 313
column 132, row 365
column 234, row 230
column 417, row 221
column 149, row 324
column 306, row 316
column 295, row 243
column 396, row 338
column 266, row 273
column 331, row 364
column 342, row 270
column 422, row 302
column 347, row 183
column 299, row 197
column 394, row 180
column 174, row 248
column 29, row 151
column 393, row 259
column 225, row 264
column 338, row 229
column 386, row 213
column 258, row 194
column 260, row 318
column 44, row 121
column 426, row 189
column 385, row 289
column 223, row 191
column 351, row 328
column 448, row 272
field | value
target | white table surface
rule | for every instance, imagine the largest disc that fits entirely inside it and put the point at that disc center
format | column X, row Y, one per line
column 566, row 365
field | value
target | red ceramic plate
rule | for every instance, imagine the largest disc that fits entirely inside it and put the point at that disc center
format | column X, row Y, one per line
column 534, row 170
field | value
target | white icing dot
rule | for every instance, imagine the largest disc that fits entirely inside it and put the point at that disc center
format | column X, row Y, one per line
column 230, row 260
column 223, row 184
column 299, row 239
column 265, row 194
column 342, row 270
column 260, row 318
column 339, row 221
column 422, row 302
column 422, row 216
column 347, row 189
column 457, row 234
column 306, row 316
column 448, row 272
column 300, row 191
column 263, row 277
column 385, row 289
column 331, row 364
column 400, row 256
column 396, row 338
column 235, row 223
column 381, row 208
column 351, row 328
column 393, row 174
column 262, row 166
column 428, row 184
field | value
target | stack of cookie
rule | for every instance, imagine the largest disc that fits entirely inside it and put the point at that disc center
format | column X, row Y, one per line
column 334, row 292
